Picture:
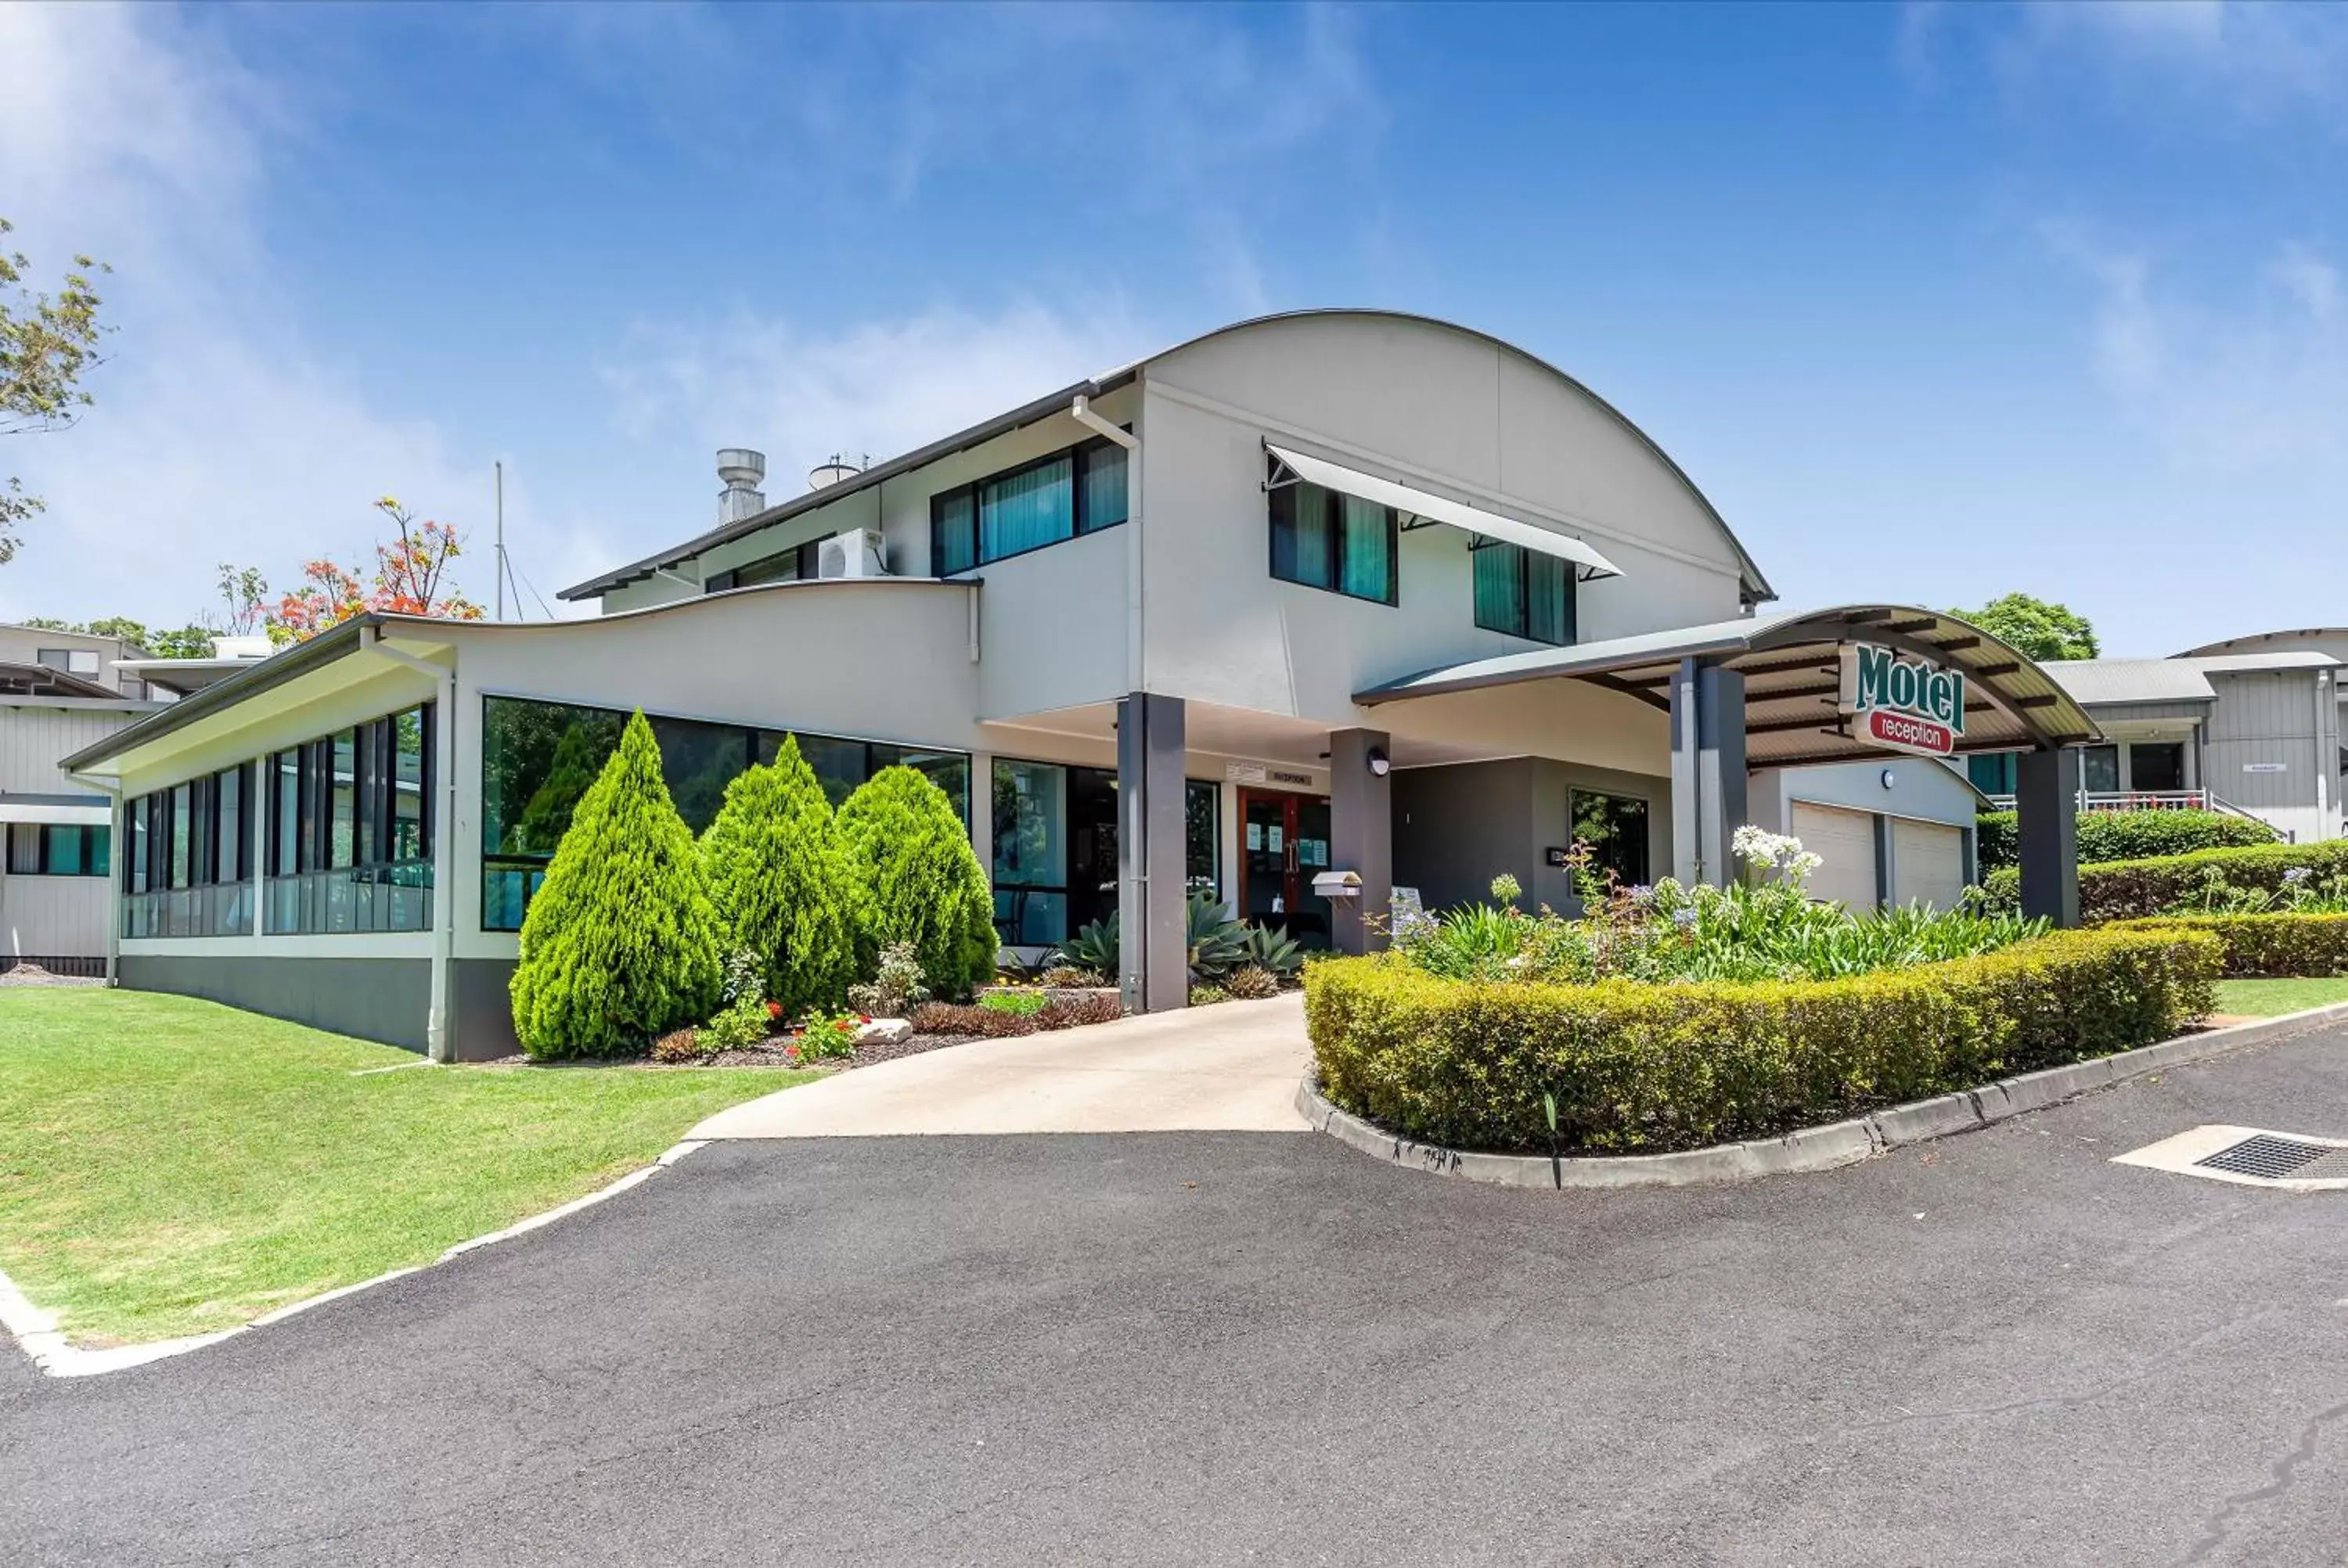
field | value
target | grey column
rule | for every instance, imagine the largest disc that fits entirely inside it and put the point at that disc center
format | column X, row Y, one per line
column 2046, row 805
column 1361, row 837
column 1709, row 778
column 1154, row 952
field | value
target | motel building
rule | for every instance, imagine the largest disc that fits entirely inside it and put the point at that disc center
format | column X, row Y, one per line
column 1305, row 611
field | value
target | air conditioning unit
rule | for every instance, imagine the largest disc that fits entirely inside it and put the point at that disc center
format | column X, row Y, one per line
column 855, row 553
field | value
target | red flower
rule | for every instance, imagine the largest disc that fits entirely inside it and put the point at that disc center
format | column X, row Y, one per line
column 864, row 1018
column 774, row 1010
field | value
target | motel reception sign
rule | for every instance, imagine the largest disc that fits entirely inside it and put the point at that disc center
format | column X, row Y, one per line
column 1901, row 702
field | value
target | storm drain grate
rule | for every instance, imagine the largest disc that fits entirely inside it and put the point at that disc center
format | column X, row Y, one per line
column 2266, row 1156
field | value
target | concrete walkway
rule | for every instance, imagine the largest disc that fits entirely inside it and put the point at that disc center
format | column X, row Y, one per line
column 1231, row 1067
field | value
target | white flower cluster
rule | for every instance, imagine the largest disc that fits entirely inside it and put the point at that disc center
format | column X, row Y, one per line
column 1779, row 852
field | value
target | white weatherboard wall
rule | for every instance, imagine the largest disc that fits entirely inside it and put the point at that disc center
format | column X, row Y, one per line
column 54, row 916
column 2271, row 747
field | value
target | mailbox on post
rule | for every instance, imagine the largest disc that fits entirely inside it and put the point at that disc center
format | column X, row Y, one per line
column 1337, row 884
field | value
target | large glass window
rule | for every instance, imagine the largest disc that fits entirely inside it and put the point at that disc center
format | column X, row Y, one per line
column 2099, row 769
column 1202, row 846
column 188, row 868
column 1341, row 543
column 56, row 849
column 1081, row 490
column 1991, row 772
column 538, row 759
column 350, row 840
column 797, row 564
column 1522, row 593
column 1614, row 826
column 1031, row 852
column 2157, row 765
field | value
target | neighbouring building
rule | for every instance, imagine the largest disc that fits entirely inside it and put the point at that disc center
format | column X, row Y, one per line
column 2250, row 725
column 1302, row 610
column 60, row 692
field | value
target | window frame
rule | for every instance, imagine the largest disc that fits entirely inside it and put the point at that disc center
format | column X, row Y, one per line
column 1079, row 457
column 1334, row 521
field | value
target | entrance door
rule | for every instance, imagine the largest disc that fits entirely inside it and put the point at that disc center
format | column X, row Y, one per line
column 1284, row 842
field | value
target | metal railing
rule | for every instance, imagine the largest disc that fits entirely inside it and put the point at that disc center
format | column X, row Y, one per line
column 2142, row 800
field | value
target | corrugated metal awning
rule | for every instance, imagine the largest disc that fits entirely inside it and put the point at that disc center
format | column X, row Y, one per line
column 1793, row 679
column 1534, row 536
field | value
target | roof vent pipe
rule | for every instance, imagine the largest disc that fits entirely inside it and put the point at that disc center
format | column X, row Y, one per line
column 741, row 469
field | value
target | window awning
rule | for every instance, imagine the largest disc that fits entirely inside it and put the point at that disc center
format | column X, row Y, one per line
column 1437, row 509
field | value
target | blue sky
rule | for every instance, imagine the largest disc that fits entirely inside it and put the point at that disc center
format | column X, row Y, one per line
column 1935, row 302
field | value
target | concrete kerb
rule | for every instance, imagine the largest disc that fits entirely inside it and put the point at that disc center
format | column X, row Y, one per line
column 36, row 1333
column 1811, row 1148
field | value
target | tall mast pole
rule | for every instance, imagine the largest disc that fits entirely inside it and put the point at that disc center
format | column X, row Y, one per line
column 502, row 538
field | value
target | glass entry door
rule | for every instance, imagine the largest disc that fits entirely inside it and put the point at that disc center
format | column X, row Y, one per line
column 1284, row 842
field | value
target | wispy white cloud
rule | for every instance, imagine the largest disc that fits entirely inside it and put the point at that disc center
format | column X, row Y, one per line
column 219, row 432
column 2252, row 379
column 801, row 390
column 2251, row 61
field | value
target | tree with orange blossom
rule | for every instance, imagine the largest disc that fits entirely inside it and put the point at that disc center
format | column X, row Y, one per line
column 410, row 579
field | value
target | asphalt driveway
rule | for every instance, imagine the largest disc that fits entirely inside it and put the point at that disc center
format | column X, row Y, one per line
column 1239, row 1347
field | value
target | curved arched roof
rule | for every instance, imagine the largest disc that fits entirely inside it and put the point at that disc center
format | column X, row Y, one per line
column 1792, row 668
column 1755, row 586
column 2271, row 638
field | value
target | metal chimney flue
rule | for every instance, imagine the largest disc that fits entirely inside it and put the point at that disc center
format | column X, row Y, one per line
column 742, row 471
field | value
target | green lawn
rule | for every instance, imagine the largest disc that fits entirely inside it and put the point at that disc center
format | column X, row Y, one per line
column 170, row 1166
column 2265, row 999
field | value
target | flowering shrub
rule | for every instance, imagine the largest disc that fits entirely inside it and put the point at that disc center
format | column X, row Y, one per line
column 826, row 1036
column 1762, row 927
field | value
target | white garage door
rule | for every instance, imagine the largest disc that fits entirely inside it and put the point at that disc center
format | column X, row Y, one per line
column 1845, row 840
column 1928, row 863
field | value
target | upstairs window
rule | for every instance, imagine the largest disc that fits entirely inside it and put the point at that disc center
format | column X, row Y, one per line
column 797, row 564
column 1522, row 593
column 1079, row 491
column 1323, row 540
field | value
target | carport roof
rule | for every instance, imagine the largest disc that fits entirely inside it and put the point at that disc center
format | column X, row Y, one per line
column 1793, row 678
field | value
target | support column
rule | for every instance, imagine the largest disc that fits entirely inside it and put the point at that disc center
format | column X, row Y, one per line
column 1154, row 949
column 1361, row 835
column 1709, row 778
column 2047, row 824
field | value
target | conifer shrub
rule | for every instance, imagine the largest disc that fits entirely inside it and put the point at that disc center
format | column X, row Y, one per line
column 781, row 883
column 620, row 944
column 917, row 881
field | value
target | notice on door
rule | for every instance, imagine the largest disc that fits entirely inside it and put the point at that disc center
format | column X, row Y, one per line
column 1272, row 838
column 1255, row 836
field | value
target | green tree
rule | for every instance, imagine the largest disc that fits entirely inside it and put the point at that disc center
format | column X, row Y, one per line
column 621, row 943
column 919, row 881
column 46, row 342
column 782, row 885
column 2044, row 631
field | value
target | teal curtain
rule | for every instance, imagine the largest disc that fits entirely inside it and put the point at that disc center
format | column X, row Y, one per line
column 1499, row 587
column 953, row 533
column 1369, row 548
column 1026, row 510
column 1105, row 505
column 1549, row 598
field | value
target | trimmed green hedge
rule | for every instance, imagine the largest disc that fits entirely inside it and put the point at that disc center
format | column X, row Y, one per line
column 1641, row 1069
column 2125, row 835
column 2135, row 889
column 2266, row 947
